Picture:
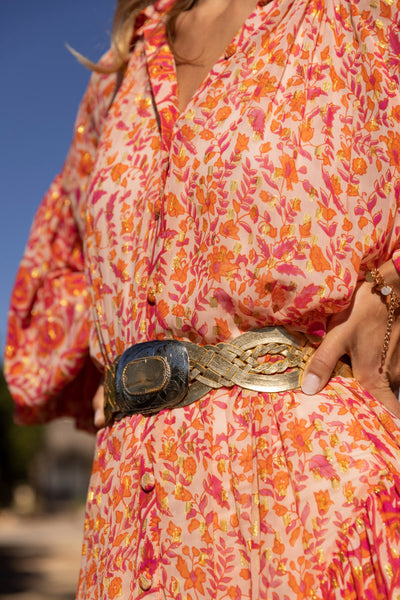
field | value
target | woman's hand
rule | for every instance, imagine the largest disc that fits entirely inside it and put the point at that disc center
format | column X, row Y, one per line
column 98, row 407
column 359, row 332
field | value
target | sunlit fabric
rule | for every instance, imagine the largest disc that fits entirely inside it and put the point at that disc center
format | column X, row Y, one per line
column 262, row 203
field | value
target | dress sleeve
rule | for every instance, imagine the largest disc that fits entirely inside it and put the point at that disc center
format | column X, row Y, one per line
column 47, row 364
column 396, row 259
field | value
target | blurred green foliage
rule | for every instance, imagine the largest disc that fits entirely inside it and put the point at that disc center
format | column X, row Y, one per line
column 18, row 446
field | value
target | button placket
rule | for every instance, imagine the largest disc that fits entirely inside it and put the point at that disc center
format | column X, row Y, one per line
column 148, row 550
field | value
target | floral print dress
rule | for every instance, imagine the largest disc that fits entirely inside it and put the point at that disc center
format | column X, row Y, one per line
column 262, row 203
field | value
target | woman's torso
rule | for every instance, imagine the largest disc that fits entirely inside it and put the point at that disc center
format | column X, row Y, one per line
column 259, row 202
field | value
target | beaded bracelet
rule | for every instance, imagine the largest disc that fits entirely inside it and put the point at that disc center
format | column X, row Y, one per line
column 393, row 302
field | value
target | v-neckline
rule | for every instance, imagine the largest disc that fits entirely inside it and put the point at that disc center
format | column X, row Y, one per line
column 227, row 52
column 163, row 76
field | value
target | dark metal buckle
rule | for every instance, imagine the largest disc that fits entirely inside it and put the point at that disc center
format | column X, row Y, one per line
column 147, row 378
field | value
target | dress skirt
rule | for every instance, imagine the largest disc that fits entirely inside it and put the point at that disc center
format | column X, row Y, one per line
column 248, row 496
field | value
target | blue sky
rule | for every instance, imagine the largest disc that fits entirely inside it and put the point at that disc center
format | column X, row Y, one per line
column 41, row 86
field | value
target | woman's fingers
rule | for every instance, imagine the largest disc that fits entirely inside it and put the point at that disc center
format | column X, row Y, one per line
column 98, row 407
column 322, row 363
column 359, row 331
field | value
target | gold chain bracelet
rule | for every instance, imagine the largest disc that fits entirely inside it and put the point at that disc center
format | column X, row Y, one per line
column 393, row 302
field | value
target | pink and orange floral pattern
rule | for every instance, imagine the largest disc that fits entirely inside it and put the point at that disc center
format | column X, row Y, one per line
column 259, row 204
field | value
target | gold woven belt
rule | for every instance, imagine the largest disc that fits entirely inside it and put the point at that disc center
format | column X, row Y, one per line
column 151, row 376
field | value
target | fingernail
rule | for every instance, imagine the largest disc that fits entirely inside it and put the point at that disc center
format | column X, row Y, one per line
column 310, row 384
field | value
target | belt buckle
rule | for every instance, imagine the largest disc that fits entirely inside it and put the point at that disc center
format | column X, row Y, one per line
column 146, row 378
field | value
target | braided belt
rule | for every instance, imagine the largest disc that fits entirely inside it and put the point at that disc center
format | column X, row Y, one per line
column 151, row 376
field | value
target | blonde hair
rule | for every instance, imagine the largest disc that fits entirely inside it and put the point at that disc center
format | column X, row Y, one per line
column 124, row 23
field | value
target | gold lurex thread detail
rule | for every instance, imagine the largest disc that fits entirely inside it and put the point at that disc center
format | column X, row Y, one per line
column 392, row 301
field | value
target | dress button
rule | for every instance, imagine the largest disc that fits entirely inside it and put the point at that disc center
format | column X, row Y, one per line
column 230, row 51
column 145, row 581
column 147, row 482
column 151, row 296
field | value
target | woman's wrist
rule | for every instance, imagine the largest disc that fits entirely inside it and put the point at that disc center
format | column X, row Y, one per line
column 386, row 282
column 391, row 275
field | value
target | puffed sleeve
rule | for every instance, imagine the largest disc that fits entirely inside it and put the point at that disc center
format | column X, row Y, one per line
column 47, row 364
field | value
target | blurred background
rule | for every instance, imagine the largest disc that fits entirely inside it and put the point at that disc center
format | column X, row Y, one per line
column 44, row 471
